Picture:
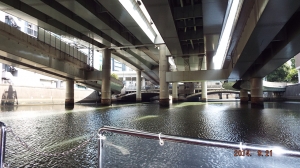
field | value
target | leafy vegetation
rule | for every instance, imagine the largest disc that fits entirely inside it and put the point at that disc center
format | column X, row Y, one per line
column 114, row 76
column 285, row 73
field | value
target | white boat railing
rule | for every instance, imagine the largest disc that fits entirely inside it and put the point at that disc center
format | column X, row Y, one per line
column 2, row 143
column 238, row 147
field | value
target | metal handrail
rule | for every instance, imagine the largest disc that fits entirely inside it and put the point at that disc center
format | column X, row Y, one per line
column 203, row 142
column 2, row 143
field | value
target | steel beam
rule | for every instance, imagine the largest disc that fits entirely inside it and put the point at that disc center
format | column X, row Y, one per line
column 142, row 60
column 191, row 35
column 261, row 28
column 188, row 12
column 196, row 76
column 110, row 21
column 162, row 16
column 149, row 53
column 70, row 14
column 278, row 52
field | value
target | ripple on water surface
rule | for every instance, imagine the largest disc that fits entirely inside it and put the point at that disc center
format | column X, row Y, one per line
column 52, row 129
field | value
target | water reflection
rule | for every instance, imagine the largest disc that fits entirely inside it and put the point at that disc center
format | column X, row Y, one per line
column 54, row 129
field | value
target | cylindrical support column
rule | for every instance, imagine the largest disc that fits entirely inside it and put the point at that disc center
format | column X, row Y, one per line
column 105, row 87
column 220, row 95
column 2, row 143
column 163, row 68
column 1, row 68
column 138, row 86
column 203, row 91
column 69, row 100
column 174, row 92
column 298, row 75
column 257, row 92
column 203, row 83
column 244, row 96
column 58, row 84
column 143, row 83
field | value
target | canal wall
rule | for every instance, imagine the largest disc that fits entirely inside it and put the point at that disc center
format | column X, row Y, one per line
column 26, row 95
column 292, row 92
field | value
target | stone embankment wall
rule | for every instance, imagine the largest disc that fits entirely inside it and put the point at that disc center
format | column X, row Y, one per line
column 25, row 95
column 292, row 92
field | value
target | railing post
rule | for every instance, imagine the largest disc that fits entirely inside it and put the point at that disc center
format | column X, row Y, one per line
column 2, row 143
column 100, row 149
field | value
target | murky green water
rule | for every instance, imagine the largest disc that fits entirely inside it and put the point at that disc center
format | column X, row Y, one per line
column 52, row 129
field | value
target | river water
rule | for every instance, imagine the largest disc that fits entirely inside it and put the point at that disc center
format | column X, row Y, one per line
column 53, row 129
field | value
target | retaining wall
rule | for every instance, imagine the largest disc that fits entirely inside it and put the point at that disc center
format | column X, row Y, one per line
column 23, row 95
column 292, row 92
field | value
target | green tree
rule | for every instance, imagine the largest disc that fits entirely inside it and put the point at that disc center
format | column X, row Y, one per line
column 114, row 76
column 293, row 64
column 292, row 76
column 280, row 74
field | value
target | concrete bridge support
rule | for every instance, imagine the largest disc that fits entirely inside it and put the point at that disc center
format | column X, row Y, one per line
column 174, row 92
column 220, row 95
column 298, row 74
column 257, row 93
column 203, row 83
column 143, row 83
column 244, row 96
column 138, row 86
column 69, row 100
column 105, row 88
column 163, row 68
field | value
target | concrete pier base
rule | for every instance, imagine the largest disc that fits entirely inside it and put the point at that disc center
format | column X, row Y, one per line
column 175, row 100
column 164, row 102
column 257, row 102
column 106, row 102
column 244, row 96
column 138, row 100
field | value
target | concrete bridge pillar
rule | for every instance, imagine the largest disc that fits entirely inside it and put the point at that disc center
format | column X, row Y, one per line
column 174, row 92
column 244, row 96
column 58, row 84
column 105, row 87
column 257, row 92
column 220, row 95
column 143, row 83
column 298, row 75
column 138, row 86
column 69, row 99
column 203, row 83
column 163, row 68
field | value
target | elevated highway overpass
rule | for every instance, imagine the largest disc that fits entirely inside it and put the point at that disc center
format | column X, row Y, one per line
column 60, row 61
column 131, row 97
column 179, row 39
